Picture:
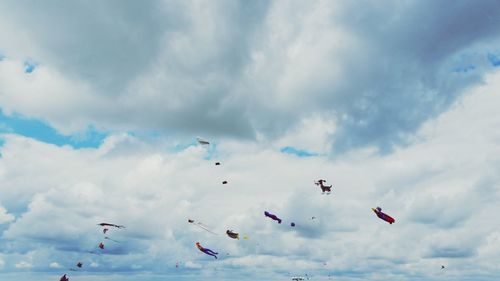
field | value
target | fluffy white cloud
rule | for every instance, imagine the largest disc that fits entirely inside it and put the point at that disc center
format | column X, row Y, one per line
column 343, row 80
column 442, row 189
column 55, row 265
column 23, row 265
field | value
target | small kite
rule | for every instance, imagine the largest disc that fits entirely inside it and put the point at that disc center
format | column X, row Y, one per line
column 274, row 217
column 324, row 187
column 110, row 224
column 224, row 182
column 292, row 224
column 233, row 235
column 79, row 265
column 442, row 267
column 104, row 230
column 101, row 245
column 64, row 278
column 217, row 163
column 202, row 226
column 383, row 216
column 206, row 250
column 202, row 141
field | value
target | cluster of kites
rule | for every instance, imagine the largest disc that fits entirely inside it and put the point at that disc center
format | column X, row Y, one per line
column 105, row 229
column 326, row 189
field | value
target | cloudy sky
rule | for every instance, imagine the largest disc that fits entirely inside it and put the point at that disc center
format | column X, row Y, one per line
column 395, row 103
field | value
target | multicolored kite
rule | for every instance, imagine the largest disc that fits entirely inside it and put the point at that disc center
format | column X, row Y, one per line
column 383, row 216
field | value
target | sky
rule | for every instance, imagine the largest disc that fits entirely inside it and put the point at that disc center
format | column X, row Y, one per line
column 394, row 103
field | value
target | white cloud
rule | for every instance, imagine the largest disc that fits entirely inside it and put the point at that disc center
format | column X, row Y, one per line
column 442, row 190
column 55, row 265
column 23, row 265
column 355, row 77
column 47, row 94
column 190, row 264
column 4, row 216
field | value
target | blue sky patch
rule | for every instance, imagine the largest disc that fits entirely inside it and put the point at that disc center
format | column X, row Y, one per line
column 464, row 69
column 211, row 150
column 41, row 131
column 494, row 60
column 29, row 66
column 297, row 152
column 183, row 146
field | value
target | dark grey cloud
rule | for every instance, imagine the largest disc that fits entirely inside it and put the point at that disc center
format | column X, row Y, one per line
column 461, row 251
column 245, row 68
column 106, row 43
column 443, row 212
column 403, row 76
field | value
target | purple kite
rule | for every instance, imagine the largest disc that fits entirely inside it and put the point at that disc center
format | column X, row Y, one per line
column 206, row 250
column 274, row 217
column 64, row 278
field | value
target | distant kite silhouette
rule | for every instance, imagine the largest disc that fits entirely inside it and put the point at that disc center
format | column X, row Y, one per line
column 274, row 217
column 325, row 188
column 110, row 224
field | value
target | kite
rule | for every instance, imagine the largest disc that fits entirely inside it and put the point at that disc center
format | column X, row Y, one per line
column 101, row 245
column 217, row 163
column 383, row 215
column 206, row 250
column 79, row 265
column 202, row 141
column 64, row 278
column 110, row 224
column 233, row 235
column 323, row 187
column 442, row 267
column 104, row 230
column 224, row 182
column 201, row 225
column 274, row 217
column 292, row 224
